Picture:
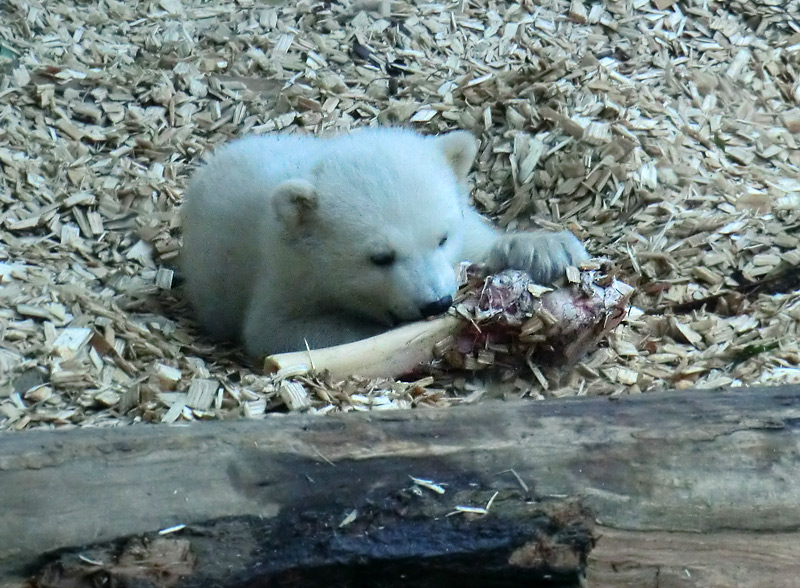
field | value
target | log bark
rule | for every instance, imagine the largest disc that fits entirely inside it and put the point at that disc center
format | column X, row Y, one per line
column 689, row 489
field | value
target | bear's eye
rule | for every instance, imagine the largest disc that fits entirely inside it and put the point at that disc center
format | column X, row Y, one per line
column 442, row 241
column 383, row 259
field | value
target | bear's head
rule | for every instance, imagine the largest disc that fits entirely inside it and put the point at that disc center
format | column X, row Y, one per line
column 379, row 224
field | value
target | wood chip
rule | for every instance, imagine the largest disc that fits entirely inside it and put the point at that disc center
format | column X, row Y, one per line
column 71, row 340
column 201, row 393
column 295, row 396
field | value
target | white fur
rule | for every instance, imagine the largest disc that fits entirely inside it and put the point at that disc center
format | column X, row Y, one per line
column 279, row 234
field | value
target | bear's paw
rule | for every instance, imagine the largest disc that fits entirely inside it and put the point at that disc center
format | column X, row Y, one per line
column 545, row 255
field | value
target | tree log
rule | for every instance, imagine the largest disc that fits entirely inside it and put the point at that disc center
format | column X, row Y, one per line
column 688, row 488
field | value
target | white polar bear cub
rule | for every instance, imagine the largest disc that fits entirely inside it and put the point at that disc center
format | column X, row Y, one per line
column 291, row 239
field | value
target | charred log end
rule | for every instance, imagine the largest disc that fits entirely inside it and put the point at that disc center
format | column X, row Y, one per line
column 408, row 540
column 422, row 541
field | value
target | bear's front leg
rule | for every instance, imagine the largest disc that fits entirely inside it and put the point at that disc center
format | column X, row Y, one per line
column 269, row 330
column 543, row 254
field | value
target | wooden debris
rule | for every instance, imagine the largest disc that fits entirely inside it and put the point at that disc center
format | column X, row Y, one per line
column 71, row 340
column 201, row 393
column 663, row 133
column 294, row 395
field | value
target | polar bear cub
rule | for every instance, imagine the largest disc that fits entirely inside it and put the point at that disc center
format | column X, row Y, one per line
column 291, row 239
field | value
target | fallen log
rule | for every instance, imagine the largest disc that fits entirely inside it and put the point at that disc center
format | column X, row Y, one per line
column 696, row 487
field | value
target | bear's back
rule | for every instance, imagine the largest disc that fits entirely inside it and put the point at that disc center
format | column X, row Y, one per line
column 245, row 171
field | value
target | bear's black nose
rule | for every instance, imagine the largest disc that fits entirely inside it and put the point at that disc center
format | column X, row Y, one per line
column 438, row 307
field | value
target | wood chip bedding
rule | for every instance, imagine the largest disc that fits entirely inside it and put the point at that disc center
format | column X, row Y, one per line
column 665, row 133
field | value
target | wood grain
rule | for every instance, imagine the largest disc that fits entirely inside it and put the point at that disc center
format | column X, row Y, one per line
column 682, row 465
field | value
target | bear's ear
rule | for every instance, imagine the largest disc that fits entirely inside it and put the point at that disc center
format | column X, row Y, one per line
column 460, row 149
column 294, row 202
